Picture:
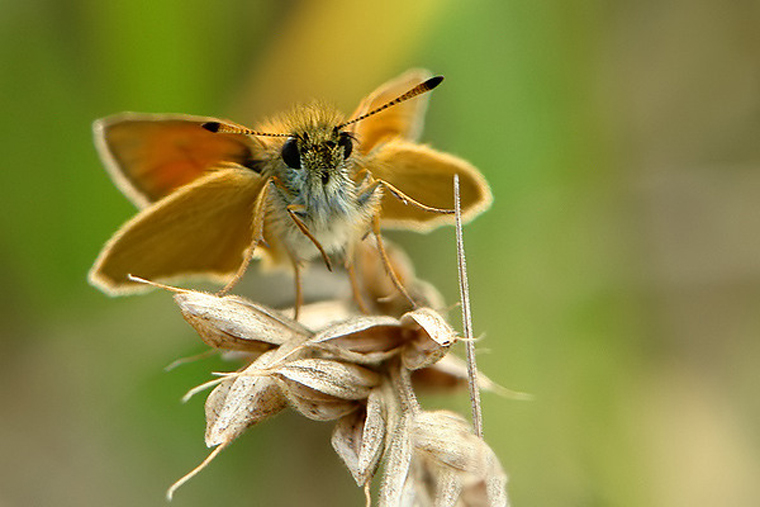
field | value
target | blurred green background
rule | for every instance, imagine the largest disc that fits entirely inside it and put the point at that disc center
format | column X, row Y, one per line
column 616, row 278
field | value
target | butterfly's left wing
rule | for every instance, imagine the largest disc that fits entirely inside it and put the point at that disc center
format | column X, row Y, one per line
column 427, row 176
column 151, row 155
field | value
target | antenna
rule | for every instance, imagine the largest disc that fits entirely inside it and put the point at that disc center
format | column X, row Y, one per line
column 424, row 87
column 224, row 128
column 421, row 88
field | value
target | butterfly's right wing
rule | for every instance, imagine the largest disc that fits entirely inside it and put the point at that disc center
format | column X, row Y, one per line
column 203, row 228
column 151, row 155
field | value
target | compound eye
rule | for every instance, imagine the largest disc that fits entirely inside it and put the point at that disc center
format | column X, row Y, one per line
column 290, row 154
column 347, row 143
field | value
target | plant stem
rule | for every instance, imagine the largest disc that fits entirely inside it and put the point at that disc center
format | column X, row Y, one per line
column 464, row 296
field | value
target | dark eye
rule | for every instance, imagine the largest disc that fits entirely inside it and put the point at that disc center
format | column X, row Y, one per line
column 290, row 154
column 347, row 143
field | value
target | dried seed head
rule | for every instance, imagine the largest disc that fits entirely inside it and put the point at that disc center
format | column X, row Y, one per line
column 355, row 370
column 342, row 380
column 316, row 405
column 430, row 338
column 362, row 340
column 241, row 401
column 234, row 323
column 398, row 460
column 447, row 438
column 237, row 403
column 358, row 439
column 363, row 334
column 435, row 458
column 422, row 337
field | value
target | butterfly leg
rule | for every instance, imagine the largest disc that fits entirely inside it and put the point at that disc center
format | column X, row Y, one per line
column 293, row 210
column 387, row 261
column 370, row 184
column 259, row 212
column 368, row 197
column 355, row 284
column 248, row 256
column 299, row 290
column 401, row 196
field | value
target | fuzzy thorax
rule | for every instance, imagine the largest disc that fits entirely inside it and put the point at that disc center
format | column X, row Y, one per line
column 314, row 182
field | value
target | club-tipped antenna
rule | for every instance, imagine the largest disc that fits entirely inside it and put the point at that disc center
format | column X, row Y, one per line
column 226, row 128
column 421, row 88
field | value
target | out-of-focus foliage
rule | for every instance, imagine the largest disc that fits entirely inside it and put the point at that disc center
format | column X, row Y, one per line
column 616, row 278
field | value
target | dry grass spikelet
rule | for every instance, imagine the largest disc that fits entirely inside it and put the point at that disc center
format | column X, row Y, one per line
column 359, row 371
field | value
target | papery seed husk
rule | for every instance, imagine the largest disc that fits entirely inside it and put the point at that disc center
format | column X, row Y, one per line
column 362, row 340
column 363, row 334
column 358, row 439
column 489, row 491
column 448, row 490
column 418, row 487
column 432, row 324
column 246, row 402
column 215, row 401
column 346, row 356
column 431, row 338
column 240, row 402
column 342, row 380
column 446, row 439
column 233, row 323
column 398, row 459
column 452, row 464
column 373, row 435
column 316, row 405
column 496, row 482
column 347, row 441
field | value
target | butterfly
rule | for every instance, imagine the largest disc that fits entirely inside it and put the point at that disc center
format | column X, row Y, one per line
column 213, row 194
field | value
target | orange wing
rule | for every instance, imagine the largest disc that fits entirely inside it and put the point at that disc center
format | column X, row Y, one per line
column 151, row 155
column 404, row 120
column 427, row 176
column 203, row 228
